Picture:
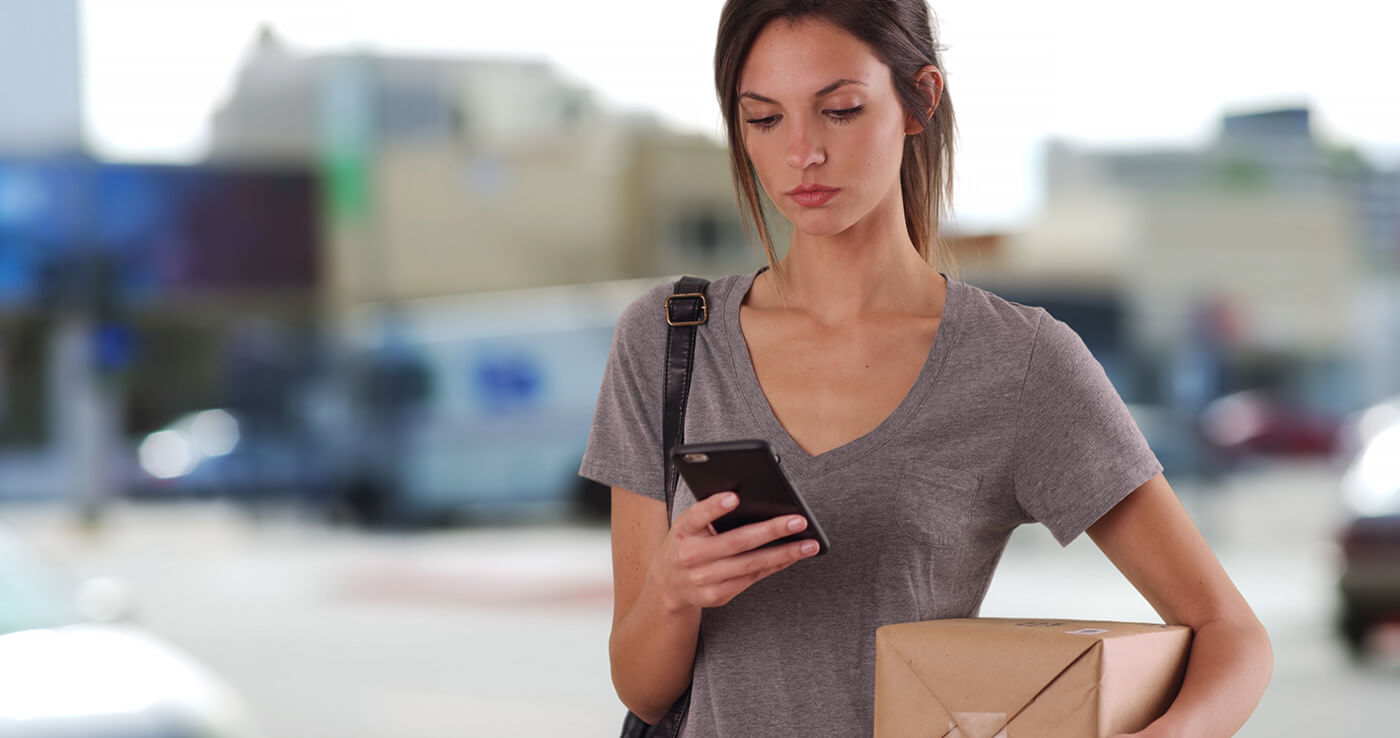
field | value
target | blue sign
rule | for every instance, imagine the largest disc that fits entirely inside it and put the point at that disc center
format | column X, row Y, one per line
column 506, row 382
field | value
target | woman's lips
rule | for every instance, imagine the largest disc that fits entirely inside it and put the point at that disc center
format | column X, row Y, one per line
column 814, row 198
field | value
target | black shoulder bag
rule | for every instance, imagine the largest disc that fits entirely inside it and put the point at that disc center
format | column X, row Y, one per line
column 685, row 309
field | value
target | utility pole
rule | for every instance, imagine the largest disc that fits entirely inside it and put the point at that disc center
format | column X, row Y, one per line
column 86, row 345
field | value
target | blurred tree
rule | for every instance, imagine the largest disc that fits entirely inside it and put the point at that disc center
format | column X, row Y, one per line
column 1343, row 163
column 1242, row 172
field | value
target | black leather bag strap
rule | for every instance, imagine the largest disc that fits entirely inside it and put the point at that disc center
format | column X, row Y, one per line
column 686, row 309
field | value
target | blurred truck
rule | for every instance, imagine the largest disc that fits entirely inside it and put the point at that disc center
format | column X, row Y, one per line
column 466, row 408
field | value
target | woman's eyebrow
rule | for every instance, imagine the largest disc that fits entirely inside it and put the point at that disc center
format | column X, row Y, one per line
column 819, row 93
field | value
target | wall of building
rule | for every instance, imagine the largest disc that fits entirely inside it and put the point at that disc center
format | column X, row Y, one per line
column 40, row 77
column 1286, row 261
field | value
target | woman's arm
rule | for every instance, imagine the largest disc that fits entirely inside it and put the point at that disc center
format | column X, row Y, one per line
column 1152, row 540
column 652, row 646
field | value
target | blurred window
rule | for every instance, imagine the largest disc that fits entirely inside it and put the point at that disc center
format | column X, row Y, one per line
column 571, row 112
column 705, row 232
column 388, row 383
column 415, row 111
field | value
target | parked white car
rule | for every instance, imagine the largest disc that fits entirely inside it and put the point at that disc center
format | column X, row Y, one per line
column 73, row 666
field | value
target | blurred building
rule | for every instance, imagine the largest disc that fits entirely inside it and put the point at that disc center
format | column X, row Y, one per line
column 607, row 203
column 277, row 110
column 479, row 174
column 451, row 175
column 40, row 77
column 1290, row 242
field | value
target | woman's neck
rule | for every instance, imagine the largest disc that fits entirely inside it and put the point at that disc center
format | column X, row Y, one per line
column 870, row 268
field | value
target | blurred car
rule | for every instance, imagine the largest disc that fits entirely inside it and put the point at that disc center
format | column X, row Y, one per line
column 70, row 665
column 1258, row 423
column 223, row 453
column 1369, row 541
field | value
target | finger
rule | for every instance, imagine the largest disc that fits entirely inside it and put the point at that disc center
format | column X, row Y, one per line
column 724, row 591
column 753, row 535
column 754, row 564
column 696, row 520
column 747, row 580
column 770, row 571
column 721, row 593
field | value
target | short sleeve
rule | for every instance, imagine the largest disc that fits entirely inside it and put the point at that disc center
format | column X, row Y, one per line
column 1077, row 450
column 624, row 442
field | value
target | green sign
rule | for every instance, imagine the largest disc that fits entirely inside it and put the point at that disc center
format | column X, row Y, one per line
column 345, row 109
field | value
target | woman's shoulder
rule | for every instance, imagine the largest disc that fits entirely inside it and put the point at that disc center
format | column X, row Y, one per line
column 644, row 318
column 1007, row 327
column 990, row 315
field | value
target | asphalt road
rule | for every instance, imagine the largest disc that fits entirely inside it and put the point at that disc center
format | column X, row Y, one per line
column 503, row 632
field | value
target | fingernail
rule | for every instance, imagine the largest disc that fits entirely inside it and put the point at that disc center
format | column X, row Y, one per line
column 809, row 547
column 795, row 524
column 729, row 500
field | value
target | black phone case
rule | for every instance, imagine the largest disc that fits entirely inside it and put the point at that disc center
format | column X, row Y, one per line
column 749, row 468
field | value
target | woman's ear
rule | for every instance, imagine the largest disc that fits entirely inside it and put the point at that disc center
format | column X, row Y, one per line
column 930, row 83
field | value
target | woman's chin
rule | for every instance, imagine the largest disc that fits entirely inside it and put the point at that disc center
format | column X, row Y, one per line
column 817, row 222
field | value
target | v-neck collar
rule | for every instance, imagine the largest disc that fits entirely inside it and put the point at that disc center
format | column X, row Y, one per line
column 794, row 458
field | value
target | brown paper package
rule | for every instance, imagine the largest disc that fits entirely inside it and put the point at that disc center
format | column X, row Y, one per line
column 1013, row 678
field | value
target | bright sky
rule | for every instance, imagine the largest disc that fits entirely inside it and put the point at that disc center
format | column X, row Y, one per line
column 1101, row 72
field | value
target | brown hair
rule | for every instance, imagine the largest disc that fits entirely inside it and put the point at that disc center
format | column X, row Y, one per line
column 901, row 36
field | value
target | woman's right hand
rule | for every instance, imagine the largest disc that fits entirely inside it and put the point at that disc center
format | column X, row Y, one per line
column 697, row 567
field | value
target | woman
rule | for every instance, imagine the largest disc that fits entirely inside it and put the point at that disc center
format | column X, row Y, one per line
column 923, row 418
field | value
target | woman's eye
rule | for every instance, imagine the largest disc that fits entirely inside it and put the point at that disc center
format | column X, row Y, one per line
column 845, row 114
column 763, row 124
column 839, row 116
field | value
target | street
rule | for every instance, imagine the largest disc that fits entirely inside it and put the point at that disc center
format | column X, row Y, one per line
column 338, row 633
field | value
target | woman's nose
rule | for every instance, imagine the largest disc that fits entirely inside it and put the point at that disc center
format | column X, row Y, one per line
column 804, row 147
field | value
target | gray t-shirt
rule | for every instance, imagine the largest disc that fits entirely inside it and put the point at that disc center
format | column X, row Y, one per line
column 1011, row 421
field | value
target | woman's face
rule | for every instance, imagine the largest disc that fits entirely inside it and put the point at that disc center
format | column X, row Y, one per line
column 817, row 107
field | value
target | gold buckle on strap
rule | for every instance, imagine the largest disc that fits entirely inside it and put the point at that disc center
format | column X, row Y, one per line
column 704, row 309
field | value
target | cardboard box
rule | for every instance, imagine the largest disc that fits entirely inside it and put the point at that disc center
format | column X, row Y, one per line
column 1013, row 678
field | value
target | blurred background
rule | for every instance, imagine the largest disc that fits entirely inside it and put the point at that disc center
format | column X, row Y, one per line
column 304, row 307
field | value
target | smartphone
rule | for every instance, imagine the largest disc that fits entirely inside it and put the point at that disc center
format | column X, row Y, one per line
column 750, row 469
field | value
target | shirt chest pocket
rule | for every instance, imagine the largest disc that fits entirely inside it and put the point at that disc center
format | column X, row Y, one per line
column 933, row 504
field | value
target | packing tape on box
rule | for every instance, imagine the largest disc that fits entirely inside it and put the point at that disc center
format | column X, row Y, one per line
column 970, row 724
